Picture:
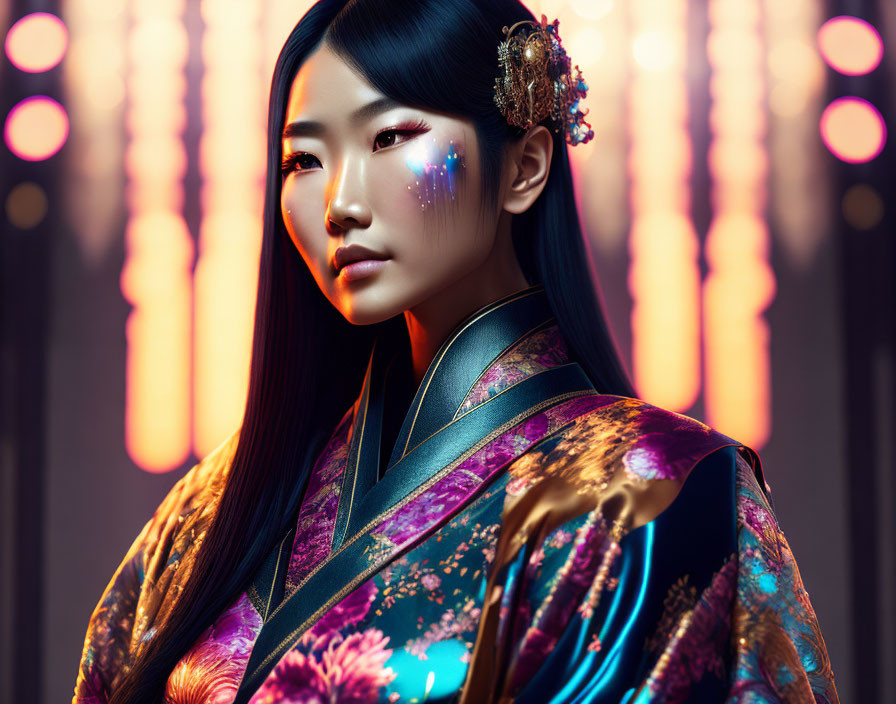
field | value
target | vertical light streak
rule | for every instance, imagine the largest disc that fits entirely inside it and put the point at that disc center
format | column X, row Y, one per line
column 664, row 278
column 595, row 36
column 799, row 210
column 232, row 153
column 740, row 283
column 280, row 16
column 156, row 275
column 93, row 73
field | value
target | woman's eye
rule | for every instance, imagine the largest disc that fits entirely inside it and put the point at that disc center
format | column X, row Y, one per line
column 389, row 138
column 301, row 161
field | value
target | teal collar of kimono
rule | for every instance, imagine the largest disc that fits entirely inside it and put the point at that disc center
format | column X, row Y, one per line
column 436, row 428
column 439, row 430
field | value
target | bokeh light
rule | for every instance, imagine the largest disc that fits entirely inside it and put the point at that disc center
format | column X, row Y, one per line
column 37, row 42
column 850, row 45
column 654, row 50
column 157, row 278
column 853, row 129
column 739, row 283
column 36, row 128
column 664, row 273
column 863, row 208
column 592, row 9
column 26, row 205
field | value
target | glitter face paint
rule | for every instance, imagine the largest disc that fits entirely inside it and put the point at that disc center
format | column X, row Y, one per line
column 438, row 171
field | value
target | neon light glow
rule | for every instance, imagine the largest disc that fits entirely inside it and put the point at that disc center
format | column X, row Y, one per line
column 231, row 162
column 36, row 128
column 664, row 278
column 37, row 42
column 850, row 45
column 156, row 278
column 94, row 77
column 436, row 171
column 853, row 130
column 575, row 689
column 796, row 85
column 740, row 283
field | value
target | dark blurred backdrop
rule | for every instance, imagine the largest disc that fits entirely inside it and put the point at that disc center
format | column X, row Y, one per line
column 739, row 201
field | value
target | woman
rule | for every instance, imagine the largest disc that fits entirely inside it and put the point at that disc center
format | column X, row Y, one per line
column 494, row 518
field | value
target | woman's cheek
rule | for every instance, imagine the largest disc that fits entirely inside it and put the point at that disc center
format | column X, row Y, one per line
column 418, row 190
column 436, row 171
column 304, row 222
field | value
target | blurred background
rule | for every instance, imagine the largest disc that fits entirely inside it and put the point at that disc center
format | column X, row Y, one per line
column 739, row 202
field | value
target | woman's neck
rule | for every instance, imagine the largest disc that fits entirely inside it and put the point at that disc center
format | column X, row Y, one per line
column 430, row 322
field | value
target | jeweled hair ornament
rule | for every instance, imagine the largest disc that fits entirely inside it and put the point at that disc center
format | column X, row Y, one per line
column 538, row 81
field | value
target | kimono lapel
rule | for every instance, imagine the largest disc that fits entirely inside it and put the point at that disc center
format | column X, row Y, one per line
column 434, row 442
column 463, row 357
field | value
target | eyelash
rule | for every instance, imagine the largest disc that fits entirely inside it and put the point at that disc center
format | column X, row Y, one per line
column 290, row 161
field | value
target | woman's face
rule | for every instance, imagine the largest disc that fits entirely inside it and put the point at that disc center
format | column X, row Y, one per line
column 383, row 201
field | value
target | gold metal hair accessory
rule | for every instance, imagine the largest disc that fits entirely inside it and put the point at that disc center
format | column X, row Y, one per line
column 538, row 82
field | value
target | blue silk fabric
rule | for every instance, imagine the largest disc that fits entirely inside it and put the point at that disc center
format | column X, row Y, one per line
column 532, row 541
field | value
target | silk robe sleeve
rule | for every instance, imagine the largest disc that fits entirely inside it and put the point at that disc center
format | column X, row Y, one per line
column 704, row 603
column 139, row 595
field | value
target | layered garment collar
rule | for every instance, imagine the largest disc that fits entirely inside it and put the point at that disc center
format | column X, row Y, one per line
column 498, row 385
column 476, row 381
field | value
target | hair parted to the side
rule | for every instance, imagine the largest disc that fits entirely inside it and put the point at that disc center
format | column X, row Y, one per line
column 439, row 55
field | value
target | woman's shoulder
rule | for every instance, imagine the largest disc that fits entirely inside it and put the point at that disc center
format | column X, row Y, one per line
column 196, row 493
column 629, row 450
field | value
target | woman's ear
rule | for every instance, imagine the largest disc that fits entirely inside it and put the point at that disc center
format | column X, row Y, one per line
column 528, row 165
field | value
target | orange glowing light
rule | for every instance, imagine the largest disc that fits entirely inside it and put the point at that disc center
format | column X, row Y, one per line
column 740, row 283
column 654, row 50
column 664, row 278
column 156, row 280
column 592, row 9
column 850, row 45
column 853, row 130
column 36, row 128
column 37, row 42
column 232, row 170
column 157, row 276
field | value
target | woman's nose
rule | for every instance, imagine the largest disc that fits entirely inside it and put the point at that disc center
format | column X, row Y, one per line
column 348, row 205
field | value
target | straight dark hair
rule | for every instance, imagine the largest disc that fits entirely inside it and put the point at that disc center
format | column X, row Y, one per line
column 438, row 55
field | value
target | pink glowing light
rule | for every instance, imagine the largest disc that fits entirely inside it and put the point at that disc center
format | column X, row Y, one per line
column 853, row 130
column 36, row 128
column 37, row 42
column 850, row 45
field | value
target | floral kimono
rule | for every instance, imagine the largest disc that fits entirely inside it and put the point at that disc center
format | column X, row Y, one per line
column 531, row 540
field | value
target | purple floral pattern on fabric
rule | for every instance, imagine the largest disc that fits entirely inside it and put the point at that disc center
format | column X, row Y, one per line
column 441, row 498
column 210, row 672
column 657, row 453
column 413, row 630
column 592, row 546
column 334, row 669
column 317, row 517
column 755, row 610
column 693, row 638
column 539, row 351
column 351, row 610
column 334, row 663
column 780, row 652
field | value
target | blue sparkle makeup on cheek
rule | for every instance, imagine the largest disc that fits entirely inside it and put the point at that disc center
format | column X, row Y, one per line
column 437, row 172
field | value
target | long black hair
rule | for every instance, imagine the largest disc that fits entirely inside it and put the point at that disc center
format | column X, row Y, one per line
column 439, row 55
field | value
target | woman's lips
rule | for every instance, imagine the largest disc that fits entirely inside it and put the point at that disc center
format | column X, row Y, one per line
column 361, row 269
column 354, row 261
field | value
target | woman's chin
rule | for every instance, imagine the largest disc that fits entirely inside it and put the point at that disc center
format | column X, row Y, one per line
column 367, row 309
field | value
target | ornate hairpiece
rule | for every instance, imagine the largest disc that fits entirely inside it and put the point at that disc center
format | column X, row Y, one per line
column 538, row 82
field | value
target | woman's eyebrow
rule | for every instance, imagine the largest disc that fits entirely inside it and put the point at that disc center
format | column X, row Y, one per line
column 311, row 128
